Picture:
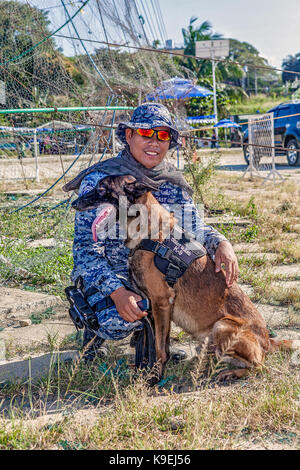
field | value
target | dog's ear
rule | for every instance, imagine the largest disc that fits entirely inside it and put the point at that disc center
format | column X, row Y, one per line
column 137, row 188
column 121, row 184
column 92, row 199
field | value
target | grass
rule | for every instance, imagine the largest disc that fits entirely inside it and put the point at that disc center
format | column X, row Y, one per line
column 97, row 411
column 260, row 102
column 45, row 269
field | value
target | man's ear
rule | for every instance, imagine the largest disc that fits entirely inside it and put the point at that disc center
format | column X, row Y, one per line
column 128, row 134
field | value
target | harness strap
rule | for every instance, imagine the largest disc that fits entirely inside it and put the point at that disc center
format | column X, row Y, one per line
column 172, row 257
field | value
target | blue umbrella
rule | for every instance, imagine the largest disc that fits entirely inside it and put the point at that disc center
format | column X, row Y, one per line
column 226, row 123
column 178, row 88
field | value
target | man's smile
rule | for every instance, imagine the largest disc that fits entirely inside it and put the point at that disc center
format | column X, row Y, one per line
column 151, row 153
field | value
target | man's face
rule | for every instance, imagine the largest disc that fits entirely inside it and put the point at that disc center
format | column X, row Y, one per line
column 148, row 152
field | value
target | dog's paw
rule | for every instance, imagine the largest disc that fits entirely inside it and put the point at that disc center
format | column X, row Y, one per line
column 233, row 374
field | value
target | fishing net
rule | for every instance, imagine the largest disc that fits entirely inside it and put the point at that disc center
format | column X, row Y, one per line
column 62, row 54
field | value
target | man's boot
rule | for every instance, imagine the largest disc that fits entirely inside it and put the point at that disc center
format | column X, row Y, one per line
column 95, row 348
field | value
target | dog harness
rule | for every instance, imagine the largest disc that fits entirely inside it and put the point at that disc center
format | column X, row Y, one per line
column 173, row 256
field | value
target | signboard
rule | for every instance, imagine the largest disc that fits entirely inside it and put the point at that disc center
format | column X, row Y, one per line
column 212, row 49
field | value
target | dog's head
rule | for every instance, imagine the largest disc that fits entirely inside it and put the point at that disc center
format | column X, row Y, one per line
column 109, row 190
column 107, row 194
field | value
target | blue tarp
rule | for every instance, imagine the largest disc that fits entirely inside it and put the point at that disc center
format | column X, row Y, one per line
column 178, row 88
column 226, row 123
column 209, row 119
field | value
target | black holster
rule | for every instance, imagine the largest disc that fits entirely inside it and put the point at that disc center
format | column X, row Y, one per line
column 81, row 312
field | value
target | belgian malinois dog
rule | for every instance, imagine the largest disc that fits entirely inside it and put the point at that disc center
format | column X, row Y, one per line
column 200, row 301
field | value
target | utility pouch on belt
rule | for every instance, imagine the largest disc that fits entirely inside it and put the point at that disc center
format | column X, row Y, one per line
column 81, row 312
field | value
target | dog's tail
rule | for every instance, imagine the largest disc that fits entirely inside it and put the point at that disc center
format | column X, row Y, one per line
column 285, row 344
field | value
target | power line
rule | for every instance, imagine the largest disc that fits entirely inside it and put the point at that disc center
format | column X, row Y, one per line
column 141, row 19
column 158, row 22
column 156, row 35
column 162, row 19
column 148, row 22
column 179, row 54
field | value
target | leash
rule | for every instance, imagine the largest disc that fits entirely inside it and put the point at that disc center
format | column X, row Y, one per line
column 145, row 352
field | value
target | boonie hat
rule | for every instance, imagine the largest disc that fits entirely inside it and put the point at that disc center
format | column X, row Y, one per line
column 149, row 116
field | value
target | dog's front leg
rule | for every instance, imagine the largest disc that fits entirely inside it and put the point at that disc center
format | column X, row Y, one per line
column 161, row 310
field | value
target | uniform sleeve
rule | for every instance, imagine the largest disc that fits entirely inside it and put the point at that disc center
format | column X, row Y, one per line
column 90, row 260
column 193, row 222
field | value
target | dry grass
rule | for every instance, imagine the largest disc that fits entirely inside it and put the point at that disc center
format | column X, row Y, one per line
column 261, row 410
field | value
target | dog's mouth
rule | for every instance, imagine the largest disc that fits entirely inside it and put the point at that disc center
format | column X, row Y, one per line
column 105, row 215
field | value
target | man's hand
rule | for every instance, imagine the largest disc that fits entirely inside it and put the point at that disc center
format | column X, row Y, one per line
column 225, row 254
column 126, row 304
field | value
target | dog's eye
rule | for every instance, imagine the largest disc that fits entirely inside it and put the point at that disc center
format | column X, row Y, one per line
column 129, row 188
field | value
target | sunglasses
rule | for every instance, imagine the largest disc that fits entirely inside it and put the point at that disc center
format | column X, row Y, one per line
column 164, row 136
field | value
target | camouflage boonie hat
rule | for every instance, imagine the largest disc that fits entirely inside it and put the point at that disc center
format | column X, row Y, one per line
column 149, row 116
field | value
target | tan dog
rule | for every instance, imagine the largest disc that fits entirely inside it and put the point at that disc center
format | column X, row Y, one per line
column 200, row 301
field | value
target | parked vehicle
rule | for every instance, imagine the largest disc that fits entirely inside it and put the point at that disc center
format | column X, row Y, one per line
column 286, row 133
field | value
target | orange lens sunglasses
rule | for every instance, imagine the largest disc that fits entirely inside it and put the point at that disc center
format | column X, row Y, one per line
column 164, row 136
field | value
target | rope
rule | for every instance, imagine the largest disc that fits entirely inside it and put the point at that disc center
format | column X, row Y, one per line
column 86, row 51
column 190, row 56
column 108, row 102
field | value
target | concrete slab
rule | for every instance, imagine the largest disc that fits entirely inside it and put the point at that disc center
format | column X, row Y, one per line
column 20, row 341
column 255, row 255
column 44, row 243
column 274, row 315
column 18, row 303
column 247, row 288
column 227, row 221
column 288, row 334
column 34, row 367
column 247, row 248
column 286, row 270
column 294, row 285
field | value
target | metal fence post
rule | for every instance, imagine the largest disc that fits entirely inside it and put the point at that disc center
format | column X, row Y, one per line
column 35, row 145
column 113, row 138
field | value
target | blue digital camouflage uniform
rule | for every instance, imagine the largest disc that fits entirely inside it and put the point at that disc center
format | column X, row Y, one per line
column 105, row 263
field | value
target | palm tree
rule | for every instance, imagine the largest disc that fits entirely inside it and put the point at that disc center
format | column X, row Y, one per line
column 201, row 33
column 192, row 34
column 202, row 68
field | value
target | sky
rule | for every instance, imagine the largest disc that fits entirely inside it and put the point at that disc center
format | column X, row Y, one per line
column 271, row 26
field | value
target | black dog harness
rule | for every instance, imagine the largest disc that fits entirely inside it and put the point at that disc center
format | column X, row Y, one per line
column 173, row 256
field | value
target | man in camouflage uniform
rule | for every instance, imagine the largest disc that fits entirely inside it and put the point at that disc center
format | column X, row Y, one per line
column 103, row 266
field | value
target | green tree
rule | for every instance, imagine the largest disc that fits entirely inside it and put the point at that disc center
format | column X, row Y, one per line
column 291, row 62
column 29, row 72
column 254, row 78
column 192, row 34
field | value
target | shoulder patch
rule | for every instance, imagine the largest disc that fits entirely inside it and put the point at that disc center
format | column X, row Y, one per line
column 185, row 195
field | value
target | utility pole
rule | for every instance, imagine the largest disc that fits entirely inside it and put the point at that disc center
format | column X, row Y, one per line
column 215, row 92
column 213, row 50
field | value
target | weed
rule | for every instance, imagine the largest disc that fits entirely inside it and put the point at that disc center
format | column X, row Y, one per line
column 37, row 318
column 250, row 233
